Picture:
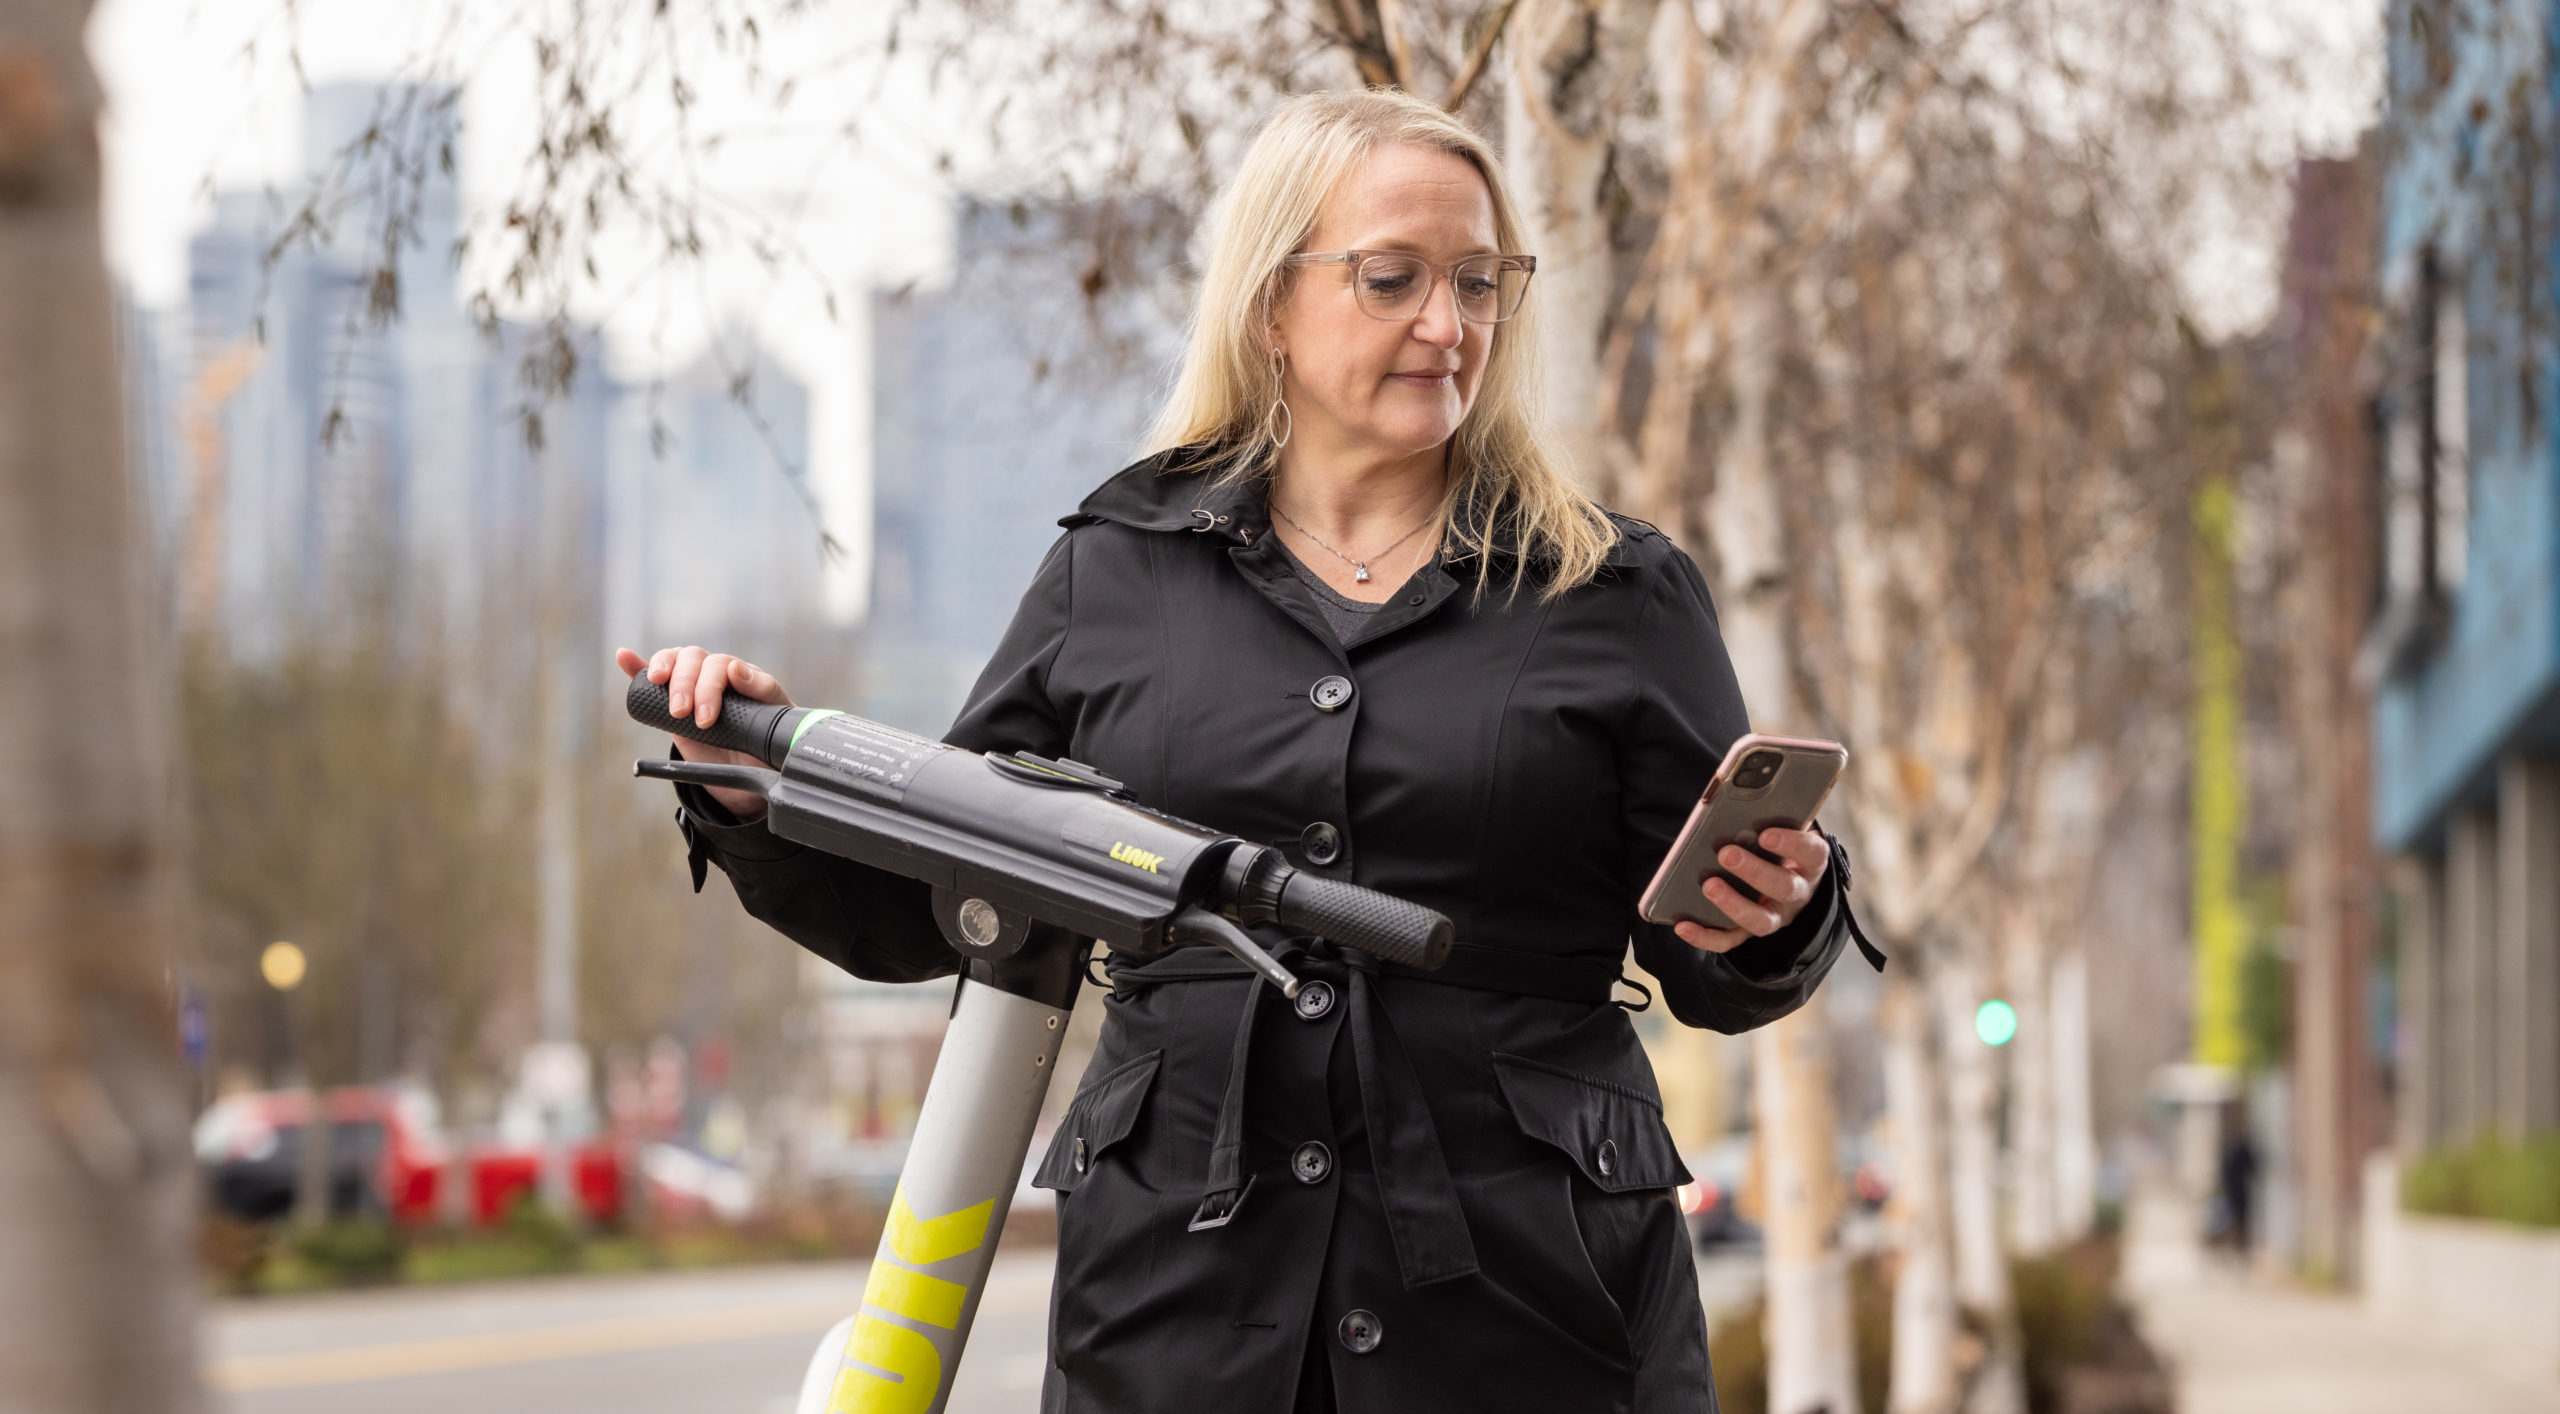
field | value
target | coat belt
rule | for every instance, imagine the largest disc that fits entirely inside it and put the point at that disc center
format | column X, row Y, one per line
column 1420, row 1199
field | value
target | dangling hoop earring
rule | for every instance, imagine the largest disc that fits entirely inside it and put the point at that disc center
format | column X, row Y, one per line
column 1277, row 423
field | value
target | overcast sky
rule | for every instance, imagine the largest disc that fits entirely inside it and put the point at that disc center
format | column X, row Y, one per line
column 203, row 94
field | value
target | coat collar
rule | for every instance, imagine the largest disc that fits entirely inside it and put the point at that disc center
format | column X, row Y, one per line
column 1188, row 489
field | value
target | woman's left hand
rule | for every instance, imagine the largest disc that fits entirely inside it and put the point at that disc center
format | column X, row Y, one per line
column 1784, row 887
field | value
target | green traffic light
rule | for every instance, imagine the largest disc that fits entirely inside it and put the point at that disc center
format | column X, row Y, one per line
column 1996, row 1022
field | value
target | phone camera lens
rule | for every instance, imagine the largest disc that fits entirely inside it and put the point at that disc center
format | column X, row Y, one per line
column 1757, row 770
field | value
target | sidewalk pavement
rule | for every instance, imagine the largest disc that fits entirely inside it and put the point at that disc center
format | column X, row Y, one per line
column 2243, row 1343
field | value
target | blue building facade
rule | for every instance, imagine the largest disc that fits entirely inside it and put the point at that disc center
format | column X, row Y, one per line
column 2464, row 651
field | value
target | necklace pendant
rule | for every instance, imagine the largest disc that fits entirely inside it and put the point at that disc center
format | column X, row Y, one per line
column 1360, row 573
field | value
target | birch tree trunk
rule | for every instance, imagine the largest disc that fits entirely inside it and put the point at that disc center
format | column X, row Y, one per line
column 96, row 1179
column 1924, row 1298
column 1973, row 1195
column 1812, row 1346
column 1571, row 62
column 1885, row 802
column 2033, row 1228
column 2075, row 1145
column 1813, row 1365
column 1973, row 1084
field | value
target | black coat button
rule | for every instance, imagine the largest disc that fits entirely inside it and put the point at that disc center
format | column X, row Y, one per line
column 1361, row 1332
column 1315, row 999
column 1322, row 843
column 1330, row 693
column 1607, row 1158
column 1311, row 1162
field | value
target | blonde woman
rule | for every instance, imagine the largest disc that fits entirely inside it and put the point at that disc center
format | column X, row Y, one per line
column 1352, row 606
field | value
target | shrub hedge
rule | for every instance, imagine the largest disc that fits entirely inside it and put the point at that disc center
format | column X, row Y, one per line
column 2489, row 1178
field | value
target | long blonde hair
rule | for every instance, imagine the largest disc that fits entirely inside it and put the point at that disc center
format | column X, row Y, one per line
column 1510, row 490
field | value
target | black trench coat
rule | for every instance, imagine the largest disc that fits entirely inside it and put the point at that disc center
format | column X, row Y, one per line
column 1451, row 1191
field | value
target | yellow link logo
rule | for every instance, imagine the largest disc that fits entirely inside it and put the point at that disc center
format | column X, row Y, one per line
column 889, row 1369
column 1135, row 857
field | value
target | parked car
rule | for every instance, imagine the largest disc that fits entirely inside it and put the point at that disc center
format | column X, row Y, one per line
column 1709, row 1200
column 1722, row 1173
column 387, row 1158
column 384, row 1154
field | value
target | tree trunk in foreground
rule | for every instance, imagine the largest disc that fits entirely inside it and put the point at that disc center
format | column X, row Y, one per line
column 96, row 1180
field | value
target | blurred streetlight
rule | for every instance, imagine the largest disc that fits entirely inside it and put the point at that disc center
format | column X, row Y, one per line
column 1996, row 1022
column 283, row 964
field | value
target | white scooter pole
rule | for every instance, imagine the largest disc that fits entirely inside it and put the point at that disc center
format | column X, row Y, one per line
column 900, row 1352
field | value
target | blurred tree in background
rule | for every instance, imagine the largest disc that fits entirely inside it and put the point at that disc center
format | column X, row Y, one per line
column 348, row 796
column 336, row 800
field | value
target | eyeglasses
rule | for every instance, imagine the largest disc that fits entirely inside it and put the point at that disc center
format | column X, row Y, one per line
column 1393, row 285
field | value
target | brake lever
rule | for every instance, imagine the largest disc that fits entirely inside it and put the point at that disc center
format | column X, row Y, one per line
column 1200, row 923
column 755, row 780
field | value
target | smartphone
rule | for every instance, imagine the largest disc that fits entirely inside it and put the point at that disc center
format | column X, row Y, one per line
column 1765, row 782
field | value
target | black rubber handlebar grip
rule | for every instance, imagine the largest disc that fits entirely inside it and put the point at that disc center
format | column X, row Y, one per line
column 756, row 728
column 1375, row 923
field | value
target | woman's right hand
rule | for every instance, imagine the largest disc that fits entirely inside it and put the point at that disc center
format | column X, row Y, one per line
column 695, row 680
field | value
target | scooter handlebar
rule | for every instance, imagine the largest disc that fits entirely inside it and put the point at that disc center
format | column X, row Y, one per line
column 1353, row 917
column 757, row 728
column 1376, row 923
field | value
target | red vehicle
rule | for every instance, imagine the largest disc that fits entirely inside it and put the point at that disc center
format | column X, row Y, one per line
column 387, row 1156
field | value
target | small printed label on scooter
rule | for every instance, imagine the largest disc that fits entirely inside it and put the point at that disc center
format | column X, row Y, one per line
column 1134, row 837
column 874, row 762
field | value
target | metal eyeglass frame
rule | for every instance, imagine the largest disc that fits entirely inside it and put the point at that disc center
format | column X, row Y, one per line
column 1527, row 265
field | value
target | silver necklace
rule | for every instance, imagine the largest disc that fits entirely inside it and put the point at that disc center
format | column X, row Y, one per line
column 1359, row 568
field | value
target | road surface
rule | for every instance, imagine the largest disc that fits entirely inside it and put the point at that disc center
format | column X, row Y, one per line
column 733, row 1340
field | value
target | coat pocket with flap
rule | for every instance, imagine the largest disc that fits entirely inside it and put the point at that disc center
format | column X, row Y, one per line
column 1613, row 1134
column 1105, row 1110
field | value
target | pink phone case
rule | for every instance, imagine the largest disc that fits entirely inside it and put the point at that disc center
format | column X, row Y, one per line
column 1726, row 815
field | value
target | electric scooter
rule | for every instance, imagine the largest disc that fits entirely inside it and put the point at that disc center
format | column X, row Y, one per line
column 1031, row 861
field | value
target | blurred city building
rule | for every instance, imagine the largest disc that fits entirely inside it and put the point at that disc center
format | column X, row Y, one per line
column 714, row 540
column 344, row 428
column 2464, row 654
column 1001, row 398
column 297, row 441
column 2466, row 641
